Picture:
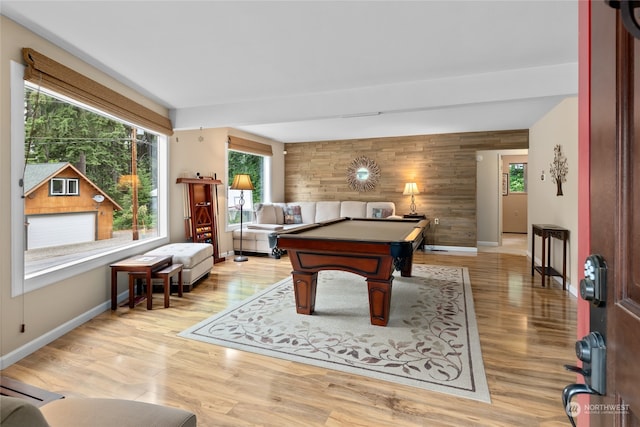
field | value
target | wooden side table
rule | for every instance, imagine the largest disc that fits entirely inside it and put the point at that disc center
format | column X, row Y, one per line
column 165, row 274
column 548, row 231
column 415, row 216
column 140, row 263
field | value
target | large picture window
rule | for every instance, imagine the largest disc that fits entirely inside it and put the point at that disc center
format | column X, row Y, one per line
column 92, row 187
column 116, row 163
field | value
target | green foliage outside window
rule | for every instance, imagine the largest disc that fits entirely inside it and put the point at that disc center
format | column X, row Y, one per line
column 517, row 177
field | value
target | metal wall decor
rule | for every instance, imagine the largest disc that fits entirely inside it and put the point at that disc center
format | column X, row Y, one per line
column 558, row 169
column 363, row 174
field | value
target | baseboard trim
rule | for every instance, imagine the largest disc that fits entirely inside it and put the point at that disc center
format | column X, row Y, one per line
column 52, row 335
column 480, row 243
column 438, row 248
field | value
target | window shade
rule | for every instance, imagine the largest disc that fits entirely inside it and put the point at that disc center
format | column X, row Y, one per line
column 247, row 146
column 52, row 75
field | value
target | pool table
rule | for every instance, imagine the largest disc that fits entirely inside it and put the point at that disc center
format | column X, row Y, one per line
column 372, row 248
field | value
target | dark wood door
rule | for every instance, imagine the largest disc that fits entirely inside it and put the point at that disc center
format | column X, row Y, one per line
column 615, row 209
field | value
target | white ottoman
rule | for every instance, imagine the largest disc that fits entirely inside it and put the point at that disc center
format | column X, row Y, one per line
column 196, row 258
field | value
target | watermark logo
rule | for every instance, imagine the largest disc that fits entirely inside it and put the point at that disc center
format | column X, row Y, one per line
column 574, row 409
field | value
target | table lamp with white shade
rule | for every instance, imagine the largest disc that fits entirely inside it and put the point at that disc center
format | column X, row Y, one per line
column 411, row 189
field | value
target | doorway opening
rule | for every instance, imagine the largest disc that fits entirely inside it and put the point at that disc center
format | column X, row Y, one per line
column 502, row 201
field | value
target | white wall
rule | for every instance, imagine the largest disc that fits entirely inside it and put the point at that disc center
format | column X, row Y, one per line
column 559, row 126
column 488, row 216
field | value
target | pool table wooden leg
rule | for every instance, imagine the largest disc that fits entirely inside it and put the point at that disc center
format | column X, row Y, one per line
column 305, row 286
column 407, row 265
column 379, row 300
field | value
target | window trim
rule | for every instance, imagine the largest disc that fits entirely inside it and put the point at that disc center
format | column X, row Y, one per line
column 21, row 283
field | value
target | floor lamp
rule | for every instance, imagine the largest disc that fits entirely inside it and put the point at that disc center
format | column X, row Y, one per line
column 241, row 182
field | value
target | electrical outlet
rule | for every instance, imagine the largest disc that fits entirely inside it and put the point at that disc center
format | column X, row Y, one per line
column 436, row 221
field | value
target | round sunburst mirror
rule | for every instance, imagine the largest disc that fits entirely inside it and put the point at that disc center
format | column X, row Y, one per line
column 363, row 174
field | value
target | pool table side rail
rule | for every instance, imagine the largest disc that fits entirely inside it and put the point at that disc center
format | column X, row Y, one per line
column 419, row 228
column 281, row 241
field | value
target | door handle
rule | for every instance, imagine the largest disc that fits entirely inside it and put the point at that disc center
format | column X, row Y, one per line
column 591, row 350
column 569, row 392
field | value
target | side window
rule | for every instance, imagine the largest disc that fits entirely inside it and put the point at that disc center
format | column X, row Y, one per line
column 517, row 177
column 253, row 165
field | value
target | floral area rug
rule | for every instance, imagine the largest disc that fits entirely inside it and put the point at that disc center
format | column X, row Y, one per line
column 431, row 340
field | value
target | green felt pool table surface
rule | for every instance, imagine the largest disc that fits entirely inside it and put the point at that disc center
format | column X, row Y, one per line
column 391, row 230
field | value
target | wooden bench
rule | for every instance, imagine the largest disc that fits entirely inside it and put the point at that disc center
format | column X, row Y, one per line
column 165, row 274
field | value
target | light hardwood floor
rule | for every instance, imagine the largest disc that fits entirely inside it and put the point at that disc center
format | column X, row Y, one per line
column 527, row 333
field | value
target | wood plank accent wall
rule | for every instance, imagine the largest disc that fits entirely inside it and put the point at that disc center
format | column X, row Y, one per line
column 443, row 166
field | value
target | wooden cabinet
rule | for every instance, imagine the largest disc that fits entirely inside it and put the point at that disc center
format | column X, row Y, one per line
column 200, row 207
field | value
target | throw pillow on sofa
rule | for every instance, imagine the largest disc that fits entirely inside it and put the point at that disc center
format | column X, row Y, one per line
column 279, row 214
column 381, row 212
column 266, row 214
column 293, row 215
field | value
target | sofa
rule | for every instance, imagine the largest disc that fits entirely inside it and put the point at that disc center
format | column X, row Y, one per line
column 196, row 260
column 272, row 217
column 91, row 412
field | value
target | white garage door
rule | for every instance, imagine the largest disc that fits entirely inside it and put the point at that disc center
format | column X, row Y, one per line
column 55, row 230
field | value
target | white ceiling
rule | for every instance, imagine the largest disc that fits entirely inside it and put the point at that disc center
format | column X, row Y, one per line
column 299, row 70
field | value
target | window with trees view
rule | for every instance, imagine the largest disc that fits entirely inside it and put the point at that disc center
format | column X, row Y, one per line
column 517, row 177
column 244, row 163
column 114, row 182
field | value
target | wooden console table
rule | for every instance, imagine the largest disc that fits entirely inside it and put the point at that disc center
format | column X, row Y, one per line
column 548, row 231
